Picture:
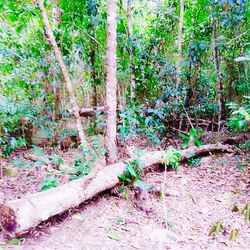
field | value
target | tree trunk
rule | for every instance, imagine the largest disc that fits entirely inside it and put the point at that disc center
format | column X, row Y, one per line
column 92, row 10
column 131, row 51
column 58, row 55
column 18, row 216
column 111, row 82
column 56, row 20
column 181, row 19
column 56, row 14
column 93, row 73
column 220, row 100
column 93, row 52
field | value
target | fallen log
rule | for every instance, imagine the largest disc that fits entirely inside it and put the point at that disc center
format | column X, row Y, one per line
column 18, row 216
column 33, row 157
column 87, row 112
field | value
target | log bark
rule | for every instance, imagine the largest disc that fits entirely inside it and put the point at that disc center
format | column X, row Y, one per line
column 32, row 209
column 35, row 158
column 51, row 39
column 87, row 112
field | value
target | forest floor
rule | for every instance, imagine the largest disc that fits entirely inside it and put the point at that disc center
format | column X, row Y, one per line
column 214, row 192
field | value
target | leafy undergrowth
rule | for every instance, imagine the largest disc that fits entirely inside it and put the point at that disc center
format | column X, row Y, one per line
column 21, row 176
column 205, row 208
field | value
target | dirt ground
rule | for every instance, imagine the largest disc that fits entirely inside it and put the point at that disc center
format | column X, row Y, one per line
column 196, row 198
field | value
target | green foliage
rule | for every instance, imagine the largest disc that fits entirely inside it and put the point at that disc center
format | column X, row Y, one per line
column 55, row 160
column 233, row 15
column 240, row 115
column 131, row 121
column 82, row 168
column 13, row 242
column 11, row 145
column 172, row 158
column 193, row 162
column 30, row 74
column 13, row 115
column 192, row 137
column 96, row 125
column 49, row 182
column 88, row 157
column 242, row 164
column 38, row 151
column 133, row 175
column 133, row 172
column 245, row 146
column 124, row 191
column 20, row 163
column 134, row 123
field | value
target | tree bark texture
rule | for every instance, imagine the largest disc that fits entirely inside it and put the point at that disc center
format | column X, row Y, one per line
column 92, row 10
column 131, row 50
column 56, row 14
column 181, row 19
column 18, row 216
column 216, row 59
column 111, row 82
column 68, row 83
column 57, row 90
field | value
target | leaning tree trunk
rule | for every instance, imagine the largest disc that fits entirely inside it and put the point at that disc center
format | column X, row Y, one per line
column 181, row 19
column 18, row 216
column 111, row 82
column 131, row 51
column 68, row 83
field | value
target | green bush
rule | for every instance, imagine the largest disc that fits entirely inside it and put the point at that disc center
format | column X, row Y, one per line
column 135, row 121
column 240, row 115
column 14, row 117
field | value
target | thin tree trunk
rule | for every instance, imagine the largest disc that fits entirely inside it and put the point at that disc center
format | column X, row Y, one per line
column 56, row 20
column 68, row 83
column 181, row 19
column 111, row 82
column 56, row 14
column 92, row 10
column 218, row 74
column 93, row 73
column 131, row 51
